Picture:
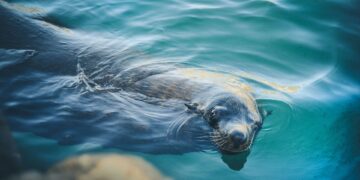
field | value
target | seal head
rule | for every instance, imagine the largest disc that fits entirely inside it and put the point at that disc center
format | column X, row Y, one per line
column 234, row 121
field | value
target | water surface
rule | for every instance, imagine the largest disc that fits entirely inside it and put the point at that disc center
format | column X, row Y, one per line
column 300, row 59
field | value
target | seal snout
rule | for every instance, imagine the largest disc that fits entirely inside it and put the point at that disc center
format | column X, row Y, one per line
column 238, row 138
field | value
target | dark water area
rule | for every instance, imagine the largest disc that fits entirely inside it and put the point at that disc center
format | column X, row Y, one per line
column 299, row 59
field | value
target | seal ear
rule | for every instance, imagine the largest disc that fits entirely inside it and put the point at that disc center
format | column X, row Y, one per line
column 194, row 107
column 265, row 113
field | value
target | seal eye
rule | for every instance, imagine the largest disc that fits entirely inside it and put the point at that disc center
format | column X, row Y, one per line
column 256, row 125
column 215, row 115
column 213, row 119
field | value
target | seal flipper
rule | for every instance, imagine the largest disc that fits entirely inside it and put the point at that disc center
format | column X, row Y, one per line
column 56, row 53
column 9, row 57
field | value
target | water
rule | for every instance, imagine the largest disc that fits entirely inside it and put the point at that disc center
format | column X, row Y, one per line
column 298, row 58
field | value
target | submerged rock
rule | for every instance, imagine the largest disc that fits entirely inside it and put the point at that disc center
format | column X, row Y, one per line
column 10, row 160
column 96, row 167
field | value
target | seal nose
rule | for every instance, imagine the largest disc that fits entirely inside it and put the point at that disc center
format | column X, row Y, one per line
column 238, row 138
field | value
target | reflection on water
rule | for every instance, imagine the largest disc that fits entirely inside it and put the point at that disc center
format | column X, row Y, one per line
column 298, row 59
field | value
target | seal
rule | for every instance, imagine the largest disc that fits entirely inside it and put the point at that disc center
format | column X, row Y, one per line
column 233, row 117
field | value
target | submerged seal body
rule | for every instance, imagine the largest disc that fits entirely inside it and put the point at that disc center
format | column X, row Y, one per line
column 233, row 117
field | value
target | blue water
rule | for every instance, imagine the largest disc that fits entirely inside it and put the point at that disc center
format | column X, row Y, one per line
column 300, row 60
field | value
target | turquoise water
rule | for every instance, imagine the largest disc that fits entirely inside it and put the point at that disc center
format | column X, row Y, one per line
column 300, row 58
